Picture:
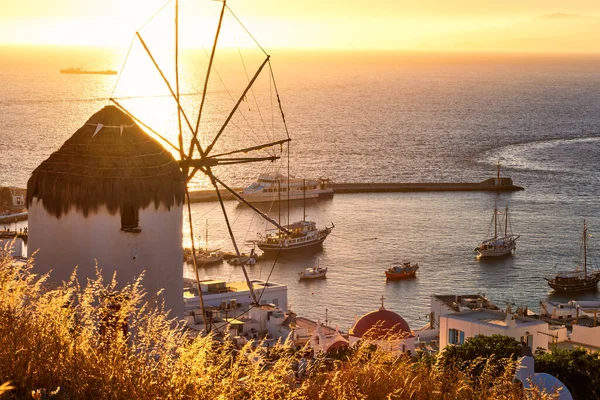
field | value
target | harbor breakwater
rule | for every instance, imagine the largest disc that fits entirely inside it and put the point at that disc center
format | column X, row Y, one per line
column 489, row 185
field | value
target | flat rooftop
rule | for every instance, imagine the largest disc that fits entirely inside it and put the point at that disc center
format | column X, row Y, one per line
column 243, row 286
column 491, row 317
column 454, row 301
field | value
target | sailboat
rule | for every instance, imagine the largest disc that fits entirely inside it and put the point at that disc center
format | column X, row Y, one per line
column 299, row 235
column 206, row 257
column 498, row 246
column 577, row 280
column 314, row 272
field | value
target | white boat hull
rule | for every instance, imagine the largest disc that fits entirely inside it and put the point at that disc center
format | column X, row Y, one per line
column 285, row 247
column 272, row 197
column 496, row 252
column 313, row 275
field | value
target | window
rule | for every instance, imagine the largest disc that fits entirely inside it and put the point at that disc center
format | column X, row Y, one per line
column 528, row 340
column 130, row 219
column 455, row 336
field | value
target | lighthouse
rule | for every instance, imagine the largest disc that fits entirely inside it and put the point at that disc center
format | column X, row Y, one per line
column 111, row 196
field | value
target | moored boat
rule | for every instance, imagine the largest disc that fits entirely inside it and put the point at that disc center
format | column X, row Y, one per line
column 302, row 235
column 313, row 272
column 203, row 259
column 299, row 235
column 277, row 187
column 498, row 246
column 405, row 270
column 579, row 279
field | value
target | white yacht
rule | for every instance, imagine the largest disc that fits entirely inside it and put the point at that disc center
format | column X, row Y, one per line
column 277, row 187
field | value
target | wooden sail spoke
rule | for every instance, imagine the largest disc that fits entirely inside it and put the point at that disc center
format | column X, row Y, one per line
column 253, row 148
column 236, row 195
column 212, row 161
column 195, row 140
column 166, row 81
column 143, row 124
column 241, row 98
column 213, row 180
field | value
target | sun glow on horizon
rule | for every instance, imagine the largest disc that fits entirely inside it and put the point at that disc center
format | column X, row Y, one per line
column 352, row 25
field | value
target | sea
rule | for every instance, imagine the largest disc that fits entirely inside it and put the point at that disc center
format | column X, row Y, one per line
column 375, row 117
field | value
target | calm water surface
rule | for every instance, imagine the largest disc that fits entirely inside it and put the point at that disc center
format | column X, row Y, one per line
column 382, row 118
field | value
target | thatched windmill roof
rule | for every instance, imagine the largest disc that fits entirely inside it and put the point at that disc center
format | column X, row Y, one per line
column 115, row 165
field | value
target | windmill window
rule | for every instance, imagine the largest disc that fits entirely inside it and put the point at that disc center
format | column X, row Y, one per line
column 130, row 219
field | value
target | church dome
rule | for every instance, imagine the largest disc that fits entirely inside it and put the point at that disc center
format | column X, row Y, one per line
column 110, row 161
column 380, row 324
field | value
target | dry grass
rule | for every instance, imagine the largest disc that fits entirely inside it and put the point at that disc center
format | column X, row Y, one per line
column 72, row 337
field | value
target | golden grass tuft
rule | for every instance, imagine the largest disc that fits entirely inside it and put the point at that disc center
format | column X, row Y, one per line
column 72, row 337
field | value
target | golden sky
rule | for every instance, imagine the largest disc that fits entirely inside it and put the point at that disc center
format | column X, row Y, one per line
column 340, row 24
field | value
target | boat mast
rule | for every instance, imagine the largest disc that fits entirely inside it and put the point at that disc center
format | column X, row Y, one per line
column 495, row 221
column 584, row 249
column 506, row 222
column 288, row 205
column 303, row 199
column 498, row 174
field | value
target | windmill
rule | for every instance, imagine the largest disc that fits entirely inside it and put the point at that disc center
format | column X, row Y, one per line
column 196, row 153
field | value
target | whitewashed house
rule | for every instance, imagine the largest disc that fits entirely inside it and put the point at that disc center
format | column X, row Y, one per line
column 458, row 327
column 18, row 196
column 230, row 299
column 110, row 196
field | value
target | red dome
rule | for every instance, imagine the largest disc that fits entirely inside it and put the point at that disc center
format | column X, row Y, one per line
column 337, row 345
column 379, row 324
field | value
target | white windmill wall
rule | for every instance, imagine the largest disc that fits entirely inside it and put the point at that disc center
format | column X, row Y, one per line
column 75, row 240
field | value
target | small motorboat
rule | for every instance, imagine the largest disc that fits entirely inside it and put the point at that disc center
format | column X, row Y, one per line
column 313, row 273
column 243, row 259
column 404, row 270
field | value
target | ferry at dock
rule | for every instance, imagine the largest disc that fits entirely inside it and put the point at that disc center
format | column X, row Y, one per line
column 277, row 187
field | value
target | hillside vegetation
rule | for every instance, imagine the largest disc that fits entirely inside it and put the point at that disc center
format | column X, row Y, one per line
column 102, row 343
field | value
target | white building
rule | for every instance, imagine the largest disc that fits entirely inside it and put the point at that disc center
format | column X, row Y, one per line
column 458, row 327
column 110, row 196
column 576, row 323
column 18, row 196
column 222, row 295
column 223, row 300
column 323, row 341
column 449, row 304
column 14, row 247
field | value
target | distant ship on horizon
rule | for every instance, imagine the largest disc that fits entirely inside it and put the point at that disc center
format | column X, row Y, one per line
column 85, row 71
